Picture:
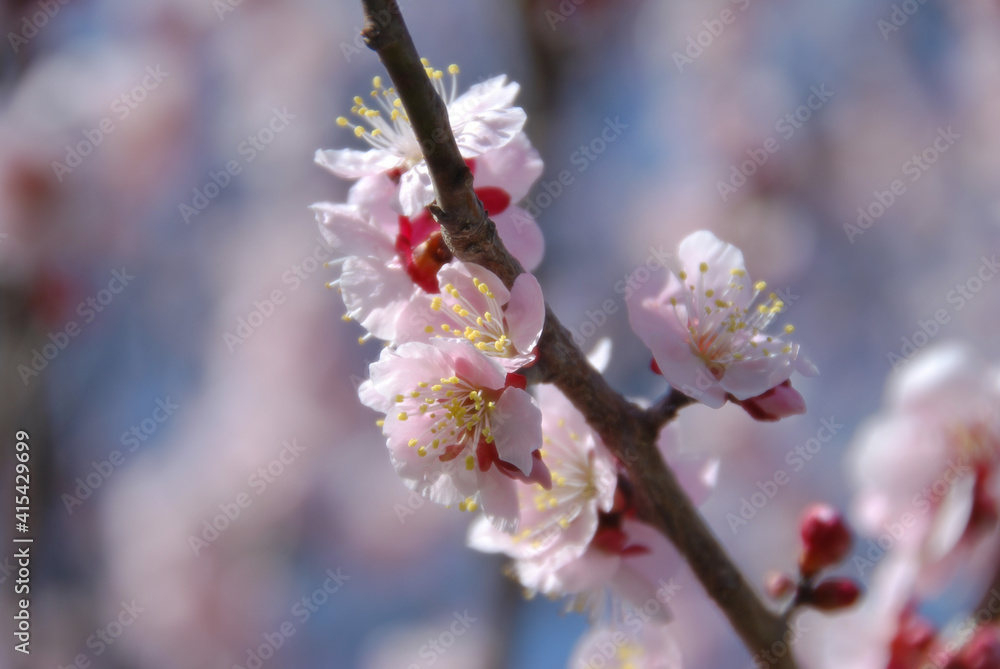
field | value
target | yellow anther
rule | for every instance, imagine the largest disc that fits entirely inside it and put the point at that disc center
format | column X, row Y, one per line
column 359, row 131
column 453, row 69
column 703, row 267
column 673, row 301
column 444, row 326
column 397, row 103
column 380, row 422
column 789, row 328
column 376, row 132
column 760, row 285
column 457, row 308
column 479, row 321
column 483, row 288
column 346, row 318
column 470, row 462
column 488, row 316
column 425, row 62
column 422, row 451
column 399, row 398
column 481, row 346
column 463, row 313
column 787, row 349
column 436, row 304
column 710, row 293
column 736, row 271
column 683, row 275
column 414, row 393
column 394, row 115
column 377, row 82
column 361, row 340
column 423, row 384
column 429, row 329
column 358, row 101
column 401, row 416
column 341, row 121
column 412, row 443
column 437, row 387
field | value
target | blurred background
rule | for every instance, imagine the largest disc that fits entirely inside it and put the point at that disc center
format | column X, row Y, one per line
column 206, row 489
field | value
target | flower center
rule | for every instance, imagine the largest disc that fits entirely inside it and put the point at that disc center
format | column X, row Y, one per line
column 720, row 331
column 486, row 330
column 460, row 415
column 388, row 127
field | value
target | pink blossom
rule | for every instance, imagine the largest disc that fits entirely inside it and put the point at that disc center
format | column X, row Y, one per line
column 579, row 540
column 482, row 120
column 475, row 305
column 557, row 525
column 458, row 429
column 707, row 336
column 930, row 458
column 651, row 647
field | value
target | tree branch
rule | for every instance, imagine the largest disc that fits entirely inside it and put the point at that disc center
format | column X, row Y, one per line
column 629, row 431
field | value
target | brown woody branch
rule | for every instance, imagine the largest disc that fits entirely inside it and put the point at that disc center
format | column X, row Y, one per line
column 629, row 431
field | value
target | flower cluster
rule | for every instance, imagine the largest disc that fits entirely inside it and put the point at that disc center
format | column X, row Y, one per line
column 461, row 427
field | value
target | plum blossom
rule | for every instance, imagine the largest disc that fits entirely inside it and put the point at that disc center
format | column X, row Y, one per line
column 579, row 539
column 386, row 260
column 475, row 305
column 482, row 120
column 706, row 331
column 458, row 429
column 557, row 525
column 652, row 647
column 931, row 457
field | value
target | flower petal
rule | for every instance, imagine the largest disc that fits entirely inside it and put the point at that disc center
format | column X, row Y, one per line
column 517, row 428
column 525, row 313
column 352, row 164
column 521, row 235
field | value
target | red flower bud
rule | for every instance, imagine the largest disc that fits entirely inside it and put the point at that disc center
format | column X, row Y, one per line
column 826, row 541
column 833, row 594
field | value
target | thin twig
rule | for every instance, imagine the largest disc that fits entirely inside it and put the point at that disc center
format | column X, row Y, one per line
column 629, row 431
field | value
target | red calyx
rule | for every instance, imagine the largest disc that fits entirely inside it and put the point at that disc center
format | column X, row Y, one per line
column 487, row 456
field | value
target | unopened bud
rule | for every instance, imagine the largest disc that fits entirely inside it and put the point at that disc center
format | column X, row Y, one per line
column 826, row 541
column 833, row 594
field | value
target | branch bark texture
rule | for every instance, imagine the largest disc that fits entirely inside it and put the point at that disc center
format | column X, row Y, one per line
column 629, row 431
